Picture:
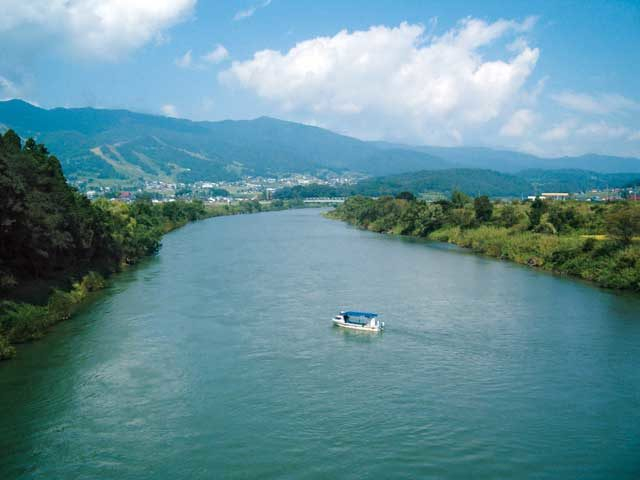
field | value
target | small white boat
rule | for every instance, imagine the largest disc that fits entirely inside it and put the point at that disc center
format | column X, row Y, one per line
column 365, row 321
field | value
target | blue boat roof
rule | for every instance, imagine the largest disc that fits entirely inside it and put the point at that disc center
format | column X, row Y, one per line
column 361, row 314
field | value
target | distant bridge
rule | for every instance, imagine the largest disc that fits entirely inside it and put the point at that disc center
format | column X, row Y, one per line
column 324, row 200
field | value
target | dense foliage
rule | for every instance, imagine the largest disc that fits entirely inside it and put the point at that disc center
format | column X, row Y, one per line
column 47, row 228
column 597, row 242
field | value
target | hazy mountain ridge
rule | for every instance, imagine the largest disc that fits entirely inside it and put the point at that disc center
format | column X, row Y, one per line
column 119, row 144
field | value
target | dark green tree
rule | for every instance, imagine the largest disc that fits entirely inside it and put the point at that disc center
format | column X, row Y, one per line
column 459, row 199
column 537, row 209
column 483, row 208
column 623, row 223
column 410, row 197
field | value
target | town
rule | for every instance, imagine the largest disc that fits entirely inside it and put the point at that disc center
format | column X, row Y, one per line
column 211, row 192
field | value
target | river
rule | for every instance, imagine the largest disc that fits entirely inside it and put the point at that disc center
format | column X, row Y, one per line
column 217, row 359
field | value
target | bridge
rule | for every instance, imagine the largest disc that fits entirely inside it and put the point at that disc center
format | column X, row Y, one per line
column 324, row 200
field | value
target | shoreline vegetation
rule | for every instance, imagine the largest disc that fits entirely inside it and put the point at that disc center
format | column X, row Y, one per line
column 57, row 247
column 595, row 242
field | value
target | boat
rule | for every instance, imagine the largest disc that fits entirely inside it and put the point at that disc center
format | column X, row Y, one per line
column 364, row 321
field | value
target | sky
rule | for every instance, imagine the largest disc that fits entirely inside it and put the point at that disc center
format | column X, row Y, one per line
column 551, row 78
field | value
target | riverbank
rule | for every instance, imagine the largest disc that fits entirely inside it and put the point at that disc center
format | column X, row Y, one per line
column 591, row 242
column 23, row 321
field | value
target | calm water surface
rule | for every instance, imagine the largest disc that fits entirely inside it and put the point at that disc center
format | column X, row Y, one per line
column 217, row 359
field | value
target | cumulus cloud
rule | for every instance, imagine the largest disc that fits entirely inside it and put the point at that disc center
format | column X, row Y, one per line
column 242, row 14
column 519, row 123
column 105, row 29
column 601, row 104
column 217, row 55
column 185, row 61
column 394, row 78
column 169, row 110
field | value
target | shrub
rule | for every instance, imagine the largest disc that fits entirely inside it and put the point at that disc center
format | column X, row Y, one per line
column 6, row 350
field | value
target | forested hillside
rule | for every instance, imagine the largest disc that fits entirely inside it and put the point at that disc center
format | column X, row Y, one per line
column 118, row 144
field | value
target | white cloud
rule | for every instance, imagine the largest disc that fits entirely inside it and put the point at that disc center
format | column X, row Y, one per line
column 519, row 123
column 169, row 110
column 560, row 131
column 185, row 61
column 242, row 14
column 217, row 55
column 106, row 29
column 394, row 80
column 603, row 130
column 601, row 104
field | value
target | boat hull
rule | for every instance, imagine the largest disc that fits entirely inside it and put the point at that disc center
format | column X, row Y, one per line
column 355, row 326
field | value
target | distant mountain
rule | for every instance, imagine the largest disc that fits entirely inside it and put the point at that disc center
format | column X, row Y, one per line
column 475, row 181
column 472, row 181
column 572, row 180
column 512, row 162
column 119, row 144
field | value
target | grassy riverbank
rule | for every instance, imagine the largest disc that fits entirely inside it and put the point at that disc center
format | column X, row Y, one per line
column 595, row 242
column 56, row 247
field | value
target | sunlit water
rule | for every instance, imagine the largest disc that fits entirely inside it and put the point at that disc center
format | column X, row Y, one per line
column 217, row 359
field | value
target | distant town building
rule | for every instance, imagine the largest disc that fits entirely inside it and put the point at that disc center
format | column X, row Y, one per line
column 554, row 196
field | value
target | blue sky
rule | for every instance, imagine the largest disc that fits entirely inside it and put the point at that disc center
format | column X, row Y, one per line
column 551, row 78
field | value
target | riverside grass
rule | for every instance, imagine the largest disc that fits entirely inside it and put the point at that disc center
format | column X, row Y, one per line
column 568, row 238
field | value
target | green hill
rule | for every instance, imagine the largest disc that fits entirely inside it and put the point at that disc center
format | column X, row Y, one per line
column 118, row 144
column 572, row 180
column 468, row 180
column 472, row 181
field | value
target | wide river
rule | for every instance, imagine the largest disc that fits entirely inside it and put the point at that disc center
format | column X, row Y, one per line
column 217, row 359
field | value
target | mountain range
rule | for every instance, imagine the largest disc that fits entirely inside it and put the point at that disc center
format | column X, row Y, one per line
column 122, row 145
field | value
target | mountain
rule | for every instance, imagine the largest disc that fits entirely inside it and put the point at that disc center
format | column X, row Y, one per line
column 512, row 162
column 572, row 180
column 118, row 144
column 123, row 145
column 472, row 181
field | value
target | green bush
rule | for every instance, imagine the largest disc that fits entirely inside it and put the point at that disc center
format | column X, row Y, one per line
column 6, row 350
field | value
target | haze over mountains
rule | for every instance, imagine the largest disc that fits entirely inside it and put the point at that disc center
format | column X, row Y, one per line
column 123, row 145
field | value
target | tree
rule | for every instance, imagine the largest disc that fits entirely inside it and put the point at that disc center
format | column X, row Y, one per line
column 459, row 199
column 483, row 208
column 538, row 208
column 11, row 141
column 30, row 145
column 406, row 196
column 509, row 216
column 623, row 223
